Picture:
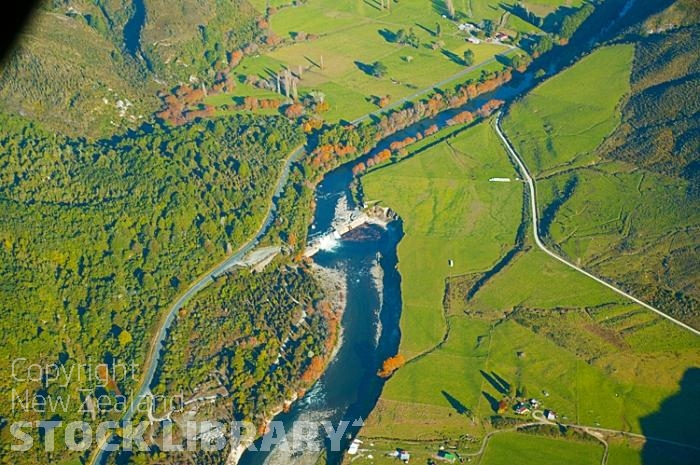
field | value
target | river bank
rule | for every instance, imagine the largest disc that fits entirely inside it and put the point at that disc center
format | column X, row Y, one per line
column 333, row 282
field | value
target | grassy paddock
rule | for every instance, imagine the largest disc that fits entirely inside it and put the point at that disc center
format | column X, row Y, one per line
column 350, row 36
column 560, row 123
column 535, row 450
column 448, row 206
column 536, row 323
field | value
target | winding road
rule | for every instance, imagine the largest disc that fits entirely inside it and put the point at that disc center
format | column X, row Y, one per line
column 153, row 357
column 533, row 206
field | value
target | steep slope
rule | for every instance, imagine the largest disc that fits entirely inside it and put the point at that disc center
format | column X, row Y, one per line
column 86, row 67
column 660, row 128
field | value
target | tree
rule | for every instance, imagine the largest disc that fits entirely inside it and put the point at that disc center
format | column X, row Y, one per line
column 488, row 27
column 379, row 69
column 438, row 30
column 520, row 62
column 572, row 22
column 390, row 365
column 544, row 44
column 410, row 38
column 468, row 57
column 124, row 338
column 295, row 110
column 400, row 36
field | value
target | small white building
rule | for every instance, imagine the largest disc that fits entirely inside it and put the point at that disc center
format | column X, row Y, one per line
column 354, row 446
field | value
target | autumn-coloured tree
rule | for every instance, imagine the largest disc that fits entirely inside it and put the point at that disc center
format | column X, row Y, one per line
column 460, row 118
column 359, row 168
column 272, row 39
column 390, row 365
column 322, row 107
column 250, row 103
column 489, row 107
column 313, row 371
column 235, row 59
column 430, row 130
column 293, row 111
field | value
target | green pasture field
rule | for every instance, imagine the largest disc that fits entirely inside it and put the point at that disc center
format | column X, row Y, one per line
column 558, row 125
column 352, row 35
column 533, row 450
column 448, row 206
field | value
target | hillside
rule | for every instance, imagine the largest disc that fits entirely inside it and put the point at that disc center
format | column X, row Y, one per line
column 660, row 129
column 92, row 68
column 70, row 73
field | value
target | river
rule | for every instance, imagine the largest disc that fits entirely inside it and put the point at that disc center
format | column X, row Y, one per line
column 349, row 388
column 133, row 28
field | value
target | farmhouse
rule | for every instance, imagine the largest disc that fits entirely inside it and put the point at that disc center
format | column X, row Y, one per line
column 522, row 409
column 550, row 415
column 467, row 27
column 354, row 446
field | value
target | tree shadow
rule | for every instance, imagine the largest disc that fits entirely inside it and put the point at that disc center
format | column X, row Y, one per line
column 387, row 35
column 313, row 63
column 503, row 382
column 498, row 383
column 453, row 57
column 519, row 10
column 677, row 420
column 429, row 31
column 364, row 67
column 459, row 407
column 440, row 8
column 374, row 4
column 503, row 59
column 552, row 22
column 491, row 400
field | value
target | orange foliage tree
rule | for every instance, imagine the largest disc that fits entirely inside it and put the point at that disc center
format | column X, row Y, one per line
column 314, row 370
column 390, row 365
column 295, row 110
